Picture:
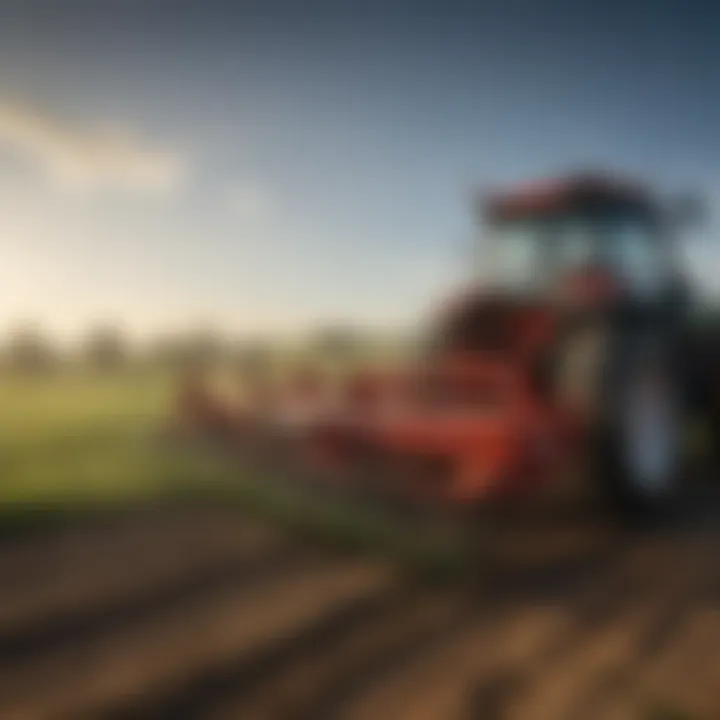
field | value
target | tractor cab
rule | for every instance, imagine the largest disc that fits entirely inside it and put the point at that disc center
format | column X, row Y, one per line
column 559, row 250
column 578, row 240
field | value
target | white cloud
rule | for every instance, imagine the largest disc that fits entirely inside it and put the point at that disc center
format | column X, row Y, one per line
column 249, row 201
column 87, row 159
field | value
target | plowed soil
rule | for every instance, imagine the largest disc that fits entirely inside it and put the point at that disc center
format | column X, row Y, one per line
column 190, row 613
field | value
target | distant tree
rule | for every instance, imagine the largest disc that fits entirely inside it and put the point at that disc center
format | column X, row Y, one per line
column 105, row 348
column 203, row 348
column 337, row 341
column 29, row 350
column 198, row 349
column 160, row 350
column 253, row 357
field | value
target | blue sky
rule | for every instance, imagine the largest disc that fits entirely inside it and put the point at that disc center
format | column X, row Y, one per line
column 276, row 164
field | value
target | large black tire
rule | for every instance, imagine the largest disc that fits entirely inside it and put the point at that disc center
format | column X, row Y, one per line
column 601, row 364
column 702, row 366
column 637, row 457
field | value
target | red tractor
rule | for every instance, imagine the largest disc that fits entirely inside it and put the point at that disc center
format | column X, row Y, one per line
column 577, row 351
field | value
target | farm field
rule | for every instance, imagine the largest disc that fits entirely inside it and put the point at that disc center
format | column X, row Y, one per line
column 139, row 582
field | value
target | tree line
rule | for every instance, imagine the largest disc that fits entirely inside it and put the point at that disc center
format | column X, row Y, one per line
column 105, row 348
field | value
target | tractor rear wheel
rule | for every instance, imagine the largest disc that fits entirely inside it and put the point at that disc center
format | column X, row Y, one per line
column 632, row 387
column 637, row 453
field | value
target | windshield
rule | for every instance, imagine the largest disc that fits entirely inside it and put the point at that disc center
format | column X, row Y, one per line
column 517, row 255
column 532, row 254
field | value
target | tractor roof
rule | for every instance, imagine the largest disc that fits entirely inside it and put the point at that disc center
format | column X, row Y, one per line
column 581, row 192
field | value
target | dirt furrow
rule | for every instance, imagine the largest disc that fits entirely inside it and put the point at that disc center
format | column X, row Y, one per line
column 378, row 653
column 173, row 645
column 582, row 682
column 100, row 564
column 684, row 675
column 110, row 613
column 244, row 678
column 473, row 673
column 297, row 677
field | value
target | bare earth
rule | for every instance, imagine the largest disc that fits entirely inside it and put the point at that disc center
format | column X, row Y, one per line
column 202, row 614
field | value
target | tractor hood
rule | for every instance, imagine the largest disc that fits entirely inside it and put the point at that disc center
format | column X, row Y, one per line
column 484, row 321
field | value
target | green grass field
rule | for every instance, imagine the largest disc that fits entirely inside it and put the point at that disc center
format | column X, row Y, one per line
column 76, row 438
